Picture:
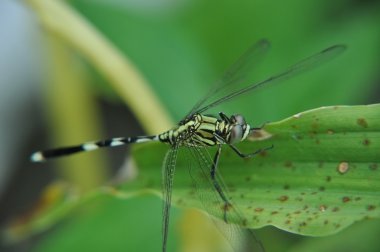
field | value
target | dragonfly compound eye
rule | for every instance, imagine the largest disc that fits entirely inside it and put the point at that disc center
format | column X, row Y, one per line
column 239, row 119
column 236, row 134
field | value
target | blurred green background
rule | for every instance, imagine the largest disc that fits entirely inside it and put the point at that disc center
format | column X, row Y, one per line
column 180, row 47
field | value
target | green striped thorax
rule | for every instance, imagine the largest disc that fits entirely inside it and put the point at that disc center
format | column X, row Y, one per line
column 207, row 130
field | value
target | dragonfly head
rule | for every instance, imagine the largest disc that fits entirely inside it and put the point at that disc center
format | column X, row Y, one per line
column 240, row 129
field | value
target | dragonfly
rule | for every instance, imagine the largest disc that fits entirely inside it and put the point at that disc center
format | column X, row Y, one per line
column 197, row 132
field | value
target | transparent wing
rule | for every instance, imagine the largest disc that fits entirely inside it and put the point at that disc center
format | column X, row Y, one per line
column 235, row 73
column 300, row 67
column 168, row 170
column 241, row 239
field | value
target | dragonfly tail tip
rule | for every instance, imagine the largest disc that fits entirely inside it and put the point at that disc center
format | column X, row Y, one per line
column 37, row 157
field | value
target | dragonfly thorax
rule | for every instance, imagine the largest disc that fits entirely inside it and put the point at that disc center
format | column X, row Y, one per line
column 204, row 130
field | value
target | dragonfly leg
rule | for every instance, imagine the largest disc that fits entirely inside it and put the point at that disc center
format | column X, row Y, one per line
column 243, row 155
column 259, row 128
column 217, row 186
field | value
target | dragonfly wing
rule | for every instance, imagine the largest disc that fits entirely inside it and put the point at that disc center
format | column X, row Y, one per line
column 300, row 67
column 168, row 170
column 240, row 239
column 235, row 73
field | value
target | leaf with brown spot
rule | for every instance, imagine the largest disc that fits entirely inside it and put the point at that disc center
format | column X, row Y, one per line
column 274, row 173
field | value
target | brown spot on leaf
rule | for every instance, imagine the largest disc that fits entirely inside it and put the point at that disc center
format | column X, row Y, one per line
column 371, row 207
column 362, row 122
column 283, row 198
column 346, row 199
column 259, row 134
column 373, row 166
column 366, row 142
column 287, row 222
column 259, row 209
column 322, row 208
column 274, row 212
column 343, row 167
column 286, row 187
column 288, row 164
column 256, row 134
column 335, row 209
column 303, row 224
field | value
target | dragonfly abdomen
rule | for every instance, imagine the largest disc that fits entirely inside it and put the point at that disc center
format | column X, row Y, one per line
column 41, row 156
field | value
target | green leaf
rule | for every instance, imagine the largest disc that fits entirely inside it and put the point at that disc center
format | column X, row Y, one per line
column 321, row 176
